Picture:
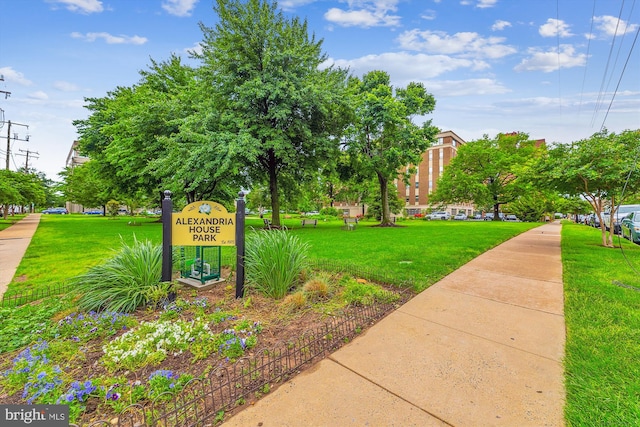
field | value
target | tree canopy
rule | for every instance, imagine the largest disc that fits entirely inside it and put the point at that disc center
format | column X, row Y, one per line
column 265, row 74
column 599, row 169
column 488, row 172
column 381, row 138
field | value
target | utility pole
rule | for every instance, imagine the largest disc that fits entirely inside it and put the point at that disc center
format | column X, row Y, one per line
column 26, row 163
column 6, row 94
column 15, row 138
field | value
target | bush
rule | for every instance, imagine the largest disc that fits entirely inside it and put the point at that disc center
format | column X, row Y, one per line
column 125, row 282
column 274, row 260
column 329, row 211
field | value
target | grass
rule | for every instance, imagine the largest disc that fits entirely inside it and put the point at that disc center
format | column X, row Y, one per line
column 421, row 251
column 602, row 312
column 12, row 219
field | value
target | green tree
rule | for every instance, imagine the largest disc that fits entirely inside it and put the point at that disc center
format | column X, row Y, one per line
column 383, row 140
column 21, row 189
column 277, row 101
column 598, row 168
column 488, row 172
column 83, row 185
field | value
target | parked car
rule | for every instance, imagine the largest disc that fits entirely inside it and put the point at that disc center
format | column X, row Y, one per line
column 621, row 212
column 439, row 215
column 92, row 212
column 460, row 216
column 630, row 226
column 489, row 216
column 511, row 217
column 60, row 211
column 477, row 216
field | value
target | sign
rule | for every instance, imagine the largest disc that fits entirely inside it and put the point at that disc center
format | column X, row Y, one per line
column 203, row 223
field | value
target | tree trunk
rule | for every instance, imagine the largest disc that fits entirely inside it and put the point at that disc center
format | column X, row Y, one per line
column 386, row 215
column 496, row 213
column 273, row 189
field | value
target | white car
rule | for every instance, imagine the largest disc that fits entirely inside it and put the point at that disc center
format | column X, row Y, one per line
column 460, row 216
column 439, row 215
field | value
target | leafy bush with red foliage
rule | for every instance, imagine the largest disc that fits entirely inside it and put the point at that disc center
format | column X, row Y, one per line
column 419, row 215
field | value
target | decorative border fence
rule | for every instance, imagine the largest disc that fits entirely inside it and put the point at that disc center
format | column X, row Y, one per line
column 204, row 401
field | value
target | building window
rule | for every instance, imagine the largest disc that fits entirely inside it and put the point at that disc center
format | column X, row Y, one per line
column 441, row 153
column 407, row 200
column 417, row 184
column 417, row 199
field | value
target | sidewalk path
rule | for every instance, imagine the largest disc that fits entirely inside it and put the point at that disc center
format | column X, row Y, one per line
column 482, row 347
column 14, row 242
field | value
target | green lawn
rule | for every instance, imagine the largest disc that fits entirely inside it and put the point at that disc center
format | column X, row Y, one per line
column 602, row 311
column 6, row 223
column 419, row 251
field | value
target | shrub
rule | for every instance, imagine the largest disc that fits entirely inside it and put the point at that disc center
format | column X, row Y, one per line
column 330, row 211
column 274, row 260
column 363, row 293
column 316, row 288
column 293, row 302
column 124, row 282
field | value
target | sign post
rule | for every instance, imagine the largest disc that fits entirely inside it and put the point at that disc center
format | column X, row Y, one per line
column 167, row 207
column 240, row 245
column 203, row 223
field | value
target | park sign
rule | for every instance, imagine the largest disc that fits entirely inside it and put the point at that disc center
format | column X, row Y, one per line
column 203, row 223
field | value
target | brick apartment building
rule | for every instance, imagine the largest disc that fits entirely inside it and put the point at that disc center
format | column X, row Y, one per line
column 424, row 181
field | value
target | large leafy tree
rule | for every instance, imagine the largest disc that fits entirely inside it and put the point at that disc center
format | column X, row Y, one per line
column 599, row 169
column 488, row 172
column 18, row 188
column 264, row 71
column 382, row 139
column 83, row 185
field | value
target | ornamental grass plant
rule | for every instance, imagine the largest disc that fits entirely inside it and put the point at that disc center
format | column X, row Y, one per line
column 124, row 282
column 274, row 261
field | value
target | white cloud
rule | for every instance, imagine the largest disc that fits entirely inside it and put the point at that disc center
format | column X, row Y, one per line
column 405, row 67
column 555, row 27
column 292, row 4
column 448, row 88
column 611, row 26
column 196, row 48
column 11, row 75
column 464, row 44
column 66, row 86
column 500, row 25
column 365, row 13
column 486, row 3
column 428, row 15
column 481, row 4
column 179, row 7
column 38, row 95
column 81, row 6
column 552, row 60
column 110, row 39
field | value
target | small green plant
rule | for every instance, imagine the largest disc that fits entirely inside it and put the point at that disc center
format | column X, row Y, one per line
column 122, row 283
column 294, row 302
column 316, row 288
column 165, row 381
column 364, row 293
column 274, row 260
column 112, row 208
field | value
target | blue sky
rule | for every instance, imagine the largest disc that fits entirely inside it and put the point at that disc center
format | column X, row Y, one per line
column 555, row 69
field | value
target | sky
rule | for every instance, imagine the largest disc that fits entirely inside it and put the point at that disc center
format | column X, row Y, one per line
column 559, row 70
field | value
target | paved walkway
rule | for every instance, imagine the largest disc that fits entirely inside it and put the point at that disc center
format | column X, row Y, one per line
column 14, row 242
column 482, row 347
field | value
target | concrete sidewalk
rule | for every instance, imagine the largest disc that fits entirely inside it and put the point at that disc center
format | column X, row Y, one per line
column 14, row 242
column 482, row 347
